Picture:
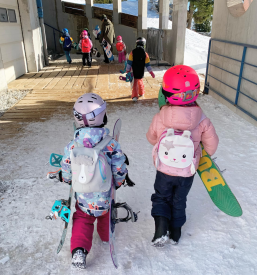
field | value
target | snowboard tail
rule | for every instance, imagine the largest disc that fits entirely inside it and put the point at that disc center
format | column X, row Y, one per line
column 217, row 187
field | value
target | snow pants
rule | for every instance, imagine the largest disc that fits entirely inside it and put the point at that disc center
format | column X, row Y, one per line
column 83, row 228
column 86, row 57
column 122, row 56
column 67, row 53
column 169, row 199
column 138, row 88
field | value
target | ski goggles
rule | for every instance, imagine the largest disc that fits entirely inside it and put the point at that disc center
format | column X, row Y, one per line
column 91, row 115
column 187, row 96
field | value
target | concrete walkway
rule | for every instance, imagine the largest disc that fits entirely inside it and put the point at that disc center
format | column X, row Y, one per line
column 56, row 88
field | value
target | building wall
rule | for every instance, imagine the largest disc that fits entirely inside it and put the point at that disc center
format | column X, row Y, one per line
column 12, row 54
column 31, row 34
column 21, row 47
column 54, row 16
column 241, row 29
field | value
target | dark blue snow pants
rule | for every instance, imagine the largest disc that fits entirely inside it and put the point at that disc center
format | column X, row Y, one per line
column 169, row 199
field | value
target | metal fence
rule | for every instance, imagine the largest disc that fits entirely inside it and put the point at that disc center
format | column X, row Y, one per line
column 240, row 77
column 154, row 44
column 54, row 38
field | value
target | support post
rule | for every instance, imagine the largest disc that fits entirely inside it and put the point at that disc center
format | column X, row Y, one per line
column 89, row 5
column 3, row 86
column 179, row 21
column 164, row 10
column 240, row 75
column 31, row 30
column 116, row 11
column 142, row 16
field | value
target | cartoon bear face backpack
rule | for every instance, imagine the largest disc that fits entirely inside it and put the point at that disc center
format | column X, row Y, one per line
column 175, row 150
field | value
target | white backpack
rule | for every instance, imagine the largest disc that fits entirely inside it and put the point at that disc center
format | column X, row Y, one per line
column 175, row 149
column 90, row 169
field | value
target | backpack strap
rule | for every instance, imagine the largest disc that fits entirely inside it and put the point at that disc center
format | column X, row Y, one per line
column 102, row 144
column 202, row 118
column 76, row 144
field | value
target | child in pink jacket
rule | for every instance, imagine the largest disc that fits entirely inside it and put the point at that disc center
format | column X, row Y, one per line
column 176, row 131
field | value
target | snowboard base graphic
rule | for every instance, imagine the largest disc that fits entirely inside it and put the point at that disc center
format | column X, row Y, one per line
column 217, row 187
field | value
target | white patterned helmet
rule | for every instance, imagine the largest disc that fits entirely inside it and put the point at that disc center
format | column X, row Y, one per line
column 90, row 110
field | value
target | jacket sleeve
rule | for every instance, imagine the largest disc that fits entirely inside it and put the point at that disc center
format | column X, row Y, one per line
column 80, row 41
column 209, row 138
column 129, row 63
column 66, row 163
column 147, row 63
column 102, row 33
column 116, row 159
column 151, row 135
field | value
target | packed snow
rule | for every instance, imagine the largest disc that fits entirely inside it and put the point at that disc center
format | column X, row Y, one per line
column 211, row 242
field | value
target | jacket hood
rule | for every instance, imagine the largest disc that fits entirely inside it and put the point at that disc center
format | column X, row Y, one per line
column 65, row 34
column 107, row 22
column 90, row 137
column 181, row 118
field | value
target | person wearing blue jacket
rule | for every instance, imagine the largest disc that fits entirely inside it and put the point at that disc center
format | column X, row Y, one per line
column 66, row 40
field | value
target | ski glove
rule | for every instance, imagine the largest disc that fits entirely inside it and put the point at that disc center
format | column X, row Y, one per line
column 126, row 182
column 129, row 182
column 152, row 74
column 126, row 160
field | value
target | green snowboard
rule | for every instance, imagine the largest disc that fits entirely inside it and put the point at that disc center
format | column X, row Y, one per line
column 217, row 187
column 213, row 180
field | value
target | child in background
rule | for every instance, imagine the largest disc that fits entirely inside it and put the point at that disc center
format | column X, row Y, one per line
column 90, row 118
column 183, row 122
column 121, row 48
column 137, row 61
column 66, row 41
column 86, row 45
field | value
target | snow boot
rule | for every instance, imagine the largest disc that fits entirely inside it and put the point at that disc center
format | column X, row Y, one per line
column 161, row 231
column 174, row 234
column 79, row 255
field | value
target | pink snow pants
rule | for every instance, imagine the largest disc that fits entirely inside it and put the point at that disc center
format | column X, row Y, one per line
column 138, row 88
column 122, row 56
column 83, row 228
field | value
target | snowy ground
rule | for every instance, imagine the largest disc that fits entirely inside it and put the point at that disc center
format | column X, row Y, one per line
column 211, row 242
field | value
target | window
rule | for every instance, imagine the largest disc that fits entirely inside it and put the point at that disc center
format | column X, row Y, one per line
column 12, row 15
column 3, row 15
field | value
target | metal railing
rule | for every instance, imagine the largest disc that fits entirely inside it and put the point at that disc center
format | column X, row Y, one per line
column 240, row 75
column 54, row 30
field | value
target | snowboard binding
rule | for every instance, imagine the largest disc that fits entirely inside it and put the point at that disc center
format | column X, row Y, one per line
column 128, row 78
column 130, row 214
column 60, row 209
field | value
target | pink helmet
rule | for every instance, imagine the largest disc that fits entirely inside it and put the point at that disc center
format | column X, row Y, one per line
column 119, row 38
column 181, row 85
column 90, row 110
column 85, row 33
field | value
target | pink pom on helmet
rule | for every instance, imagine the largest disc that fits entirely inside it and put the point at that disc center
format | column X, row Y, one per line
column 181, row 85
